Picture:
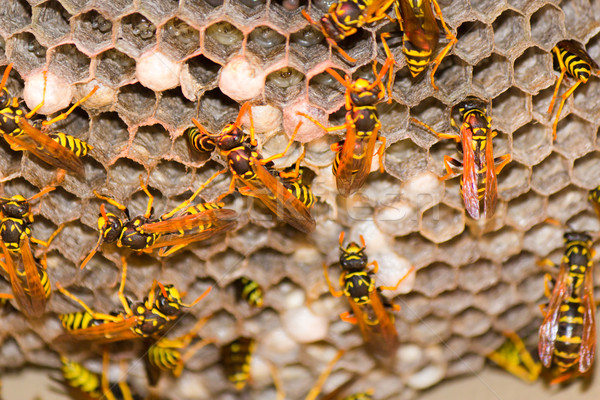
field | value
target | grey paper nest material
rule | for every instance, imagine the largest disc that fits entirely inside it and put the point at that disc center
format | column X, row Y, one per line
column 472, row 282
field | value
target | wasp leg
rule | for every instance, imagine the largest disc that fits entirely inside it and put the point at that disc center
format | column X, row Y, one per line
column 502, row 161
column 448, row 161
column 449, row 35
column 64, row 115
column 282, row 154
column 316, row 389
column 334, row 293
column 348, row 317
column 411, row 269
column 564, row 98
column 320, row 125
column 94, row 315
column 46, row 243
column 454, row 136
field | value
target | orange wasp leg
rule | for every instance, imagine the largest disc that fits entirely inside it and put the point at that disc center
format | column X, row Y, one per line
column 46, row 243
column 346, row 316
column 110, row 201
column 503, row 160
column 334, row 293
column 563, row 71
column 246, row 108
column 447, row 165
column 449, row 35
column 282, row 154
column 564, row 98
column 454, row 136
column 94, row 314
column 410, row 270
column 65, row 114
column 148, row 212
column 316, row 389
column 277, row 382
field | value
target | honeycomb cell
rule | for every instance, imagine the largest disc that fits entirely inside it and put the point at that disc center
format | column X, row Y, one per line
column 585, row 172
column 471, row 323
column 533, row 70
column 404, row 159
column 199, row 11
column 532, row 288
column 453, row 78
column 578, row 23
column 526, row 211
column 478, row 275
column 285, row 85
column 496, row 299
column 525, row 6
column 501, row 244
column 567, row 203
column 511, row 110
column 178, row 39
column 433, row 113
column 158, row 11
column 167, row 172
column 247, row 10
column 451, row 302
column 15, row 16
column 531, row 143
column 394, row 119
column 92, row 31
column 575, row 137
column 585, row 100
column 149, row 144
column 50, row 21
column 511, row 33
column 416, row 248
column 518, row 267
column 326, row 92
column 174, row 110
column 307, row 47
column 547, row 26
column 475, row 42
column 204, row 71
column 492, row 75
column 513, row 181
column 69, row 63
column 109, row 136
column 397, row 218
column 222, row 41
column 550, row 175
column 435, row 279
column 543, row 238
column 268, row 44
column 135, row 103
column 136, row 35
column 514, row 318
column 115, row 68
column 26, row 52
column 441, row 223
column 61, row 207
column 431, row 329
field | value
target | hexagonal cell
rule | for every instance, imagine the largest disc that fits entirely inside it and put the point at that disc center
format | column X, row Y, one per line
column 431, row 329
column 222, row 41
column 158, row 11
column 92, row 31
column 204, row 71
column 178, row 39
column 585, row 102
column 124, row 178
column 393, row 117
column 478, row 276
column 26, row 52
column 512, row 109
column 325, row 91
column 550, row 175
column 149, row 144
column 568, row 202
column 199, row 11
column 532, row 143
column 109, row 136
column 441, row 223
column 501, row 244
column 308, row 47
column 15, row 15
column 471, row 323
column 511, row 33
column 451, row 302
column 525, row 6
column 532, row 288
column 416, row 248
column 585, row 171
column 135, row 103
column 488, row 8
column 513, row 181
column 69, row 63
column 435, row 279
column 475, row 41
column 358, row 46
column 136, row 35
column 533, row 70
column 547, row 26
column 284, row 86
column 575, row 136
column 453, row 78
column 578, row 23
column 518, row 267
column 166, row 172
column 115, row 68
column 543, row 238
column 217, row 108
column 51, row 21
column 247, row 10
column 515, row 318
column 497, row 298
column 267, row 43
column 526, row 211
column 433, row 113
column 174, row 110
column 404, row 159
column 492, row 75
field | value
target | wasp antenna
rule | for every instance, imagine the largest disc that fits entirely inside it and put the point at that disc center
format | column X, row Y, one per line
column 6, row 73
column 203, row 295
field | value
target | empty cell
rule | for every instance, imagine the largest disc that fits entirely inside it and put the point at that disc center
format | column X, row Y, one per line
column 544, row 238
column 493, row 75
column 435, row 279
column 174, row 110
column 585, row 171
column 526, row 211
column 451, row 302
column 515, row 318
column 136, row 35
column 430, row 329
column 204, row 71
column 488, row 9
column 531, row 143
column 550, row 175
column 416, row 248
column 547, row 26
column 178, row 39
column 69, row 63
column 585, row 100
column 441, row 223
column 115, row 68
column 158, row 10
column 577, row 21
column 325, row 91
column 453, row 78
column 25, row 52
column 471, row 322
column 518, row 267
column 109, row 136
column 15, row 15
column 394, row 119
column 51, row 21
column 513, row 181
column 168, row 172
column 568, row 202
column 410, row 91
column 501, row 244
column 475, row 41
column 92, row 31
column 61, row 207
column 218, row 109
column 478, row 275
column 404, row 159
column 496, row 299
column 511, row 110
column 511, row 33
column 135, row 102
column 149, row 144
column 124, row 178
column 575, row 136
column 533, row 70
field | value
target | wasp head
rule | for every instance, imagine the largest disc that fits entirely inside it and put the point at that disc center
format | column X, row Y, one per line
column 353, row 258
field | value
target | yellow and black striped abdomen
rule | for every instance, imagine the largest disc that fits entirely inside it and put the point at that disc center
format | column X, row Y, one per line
column 165, row 358
column 236, row 357
column 77, row 146
column 302, row 193
column 80, row 378
column 577, row 67
column 78, row 320
column 569, row 334
column 416, row 59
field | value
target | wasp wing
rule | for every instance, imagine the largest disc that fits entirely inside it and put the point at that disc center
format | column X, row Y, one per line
column 491, row 181
column 355, row 161
column 549, row 327
column 588, row 339
column 16, row 283
column 37, row 295
column 577, row 48
column 46, row 149
column 422, row 32
column 195, row 235
column 112, row 331
column 188, row 222
column 470, row 177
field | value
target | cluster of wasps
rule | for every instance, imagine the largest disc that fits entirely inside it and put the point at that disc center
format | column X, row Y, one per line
column 567, row 335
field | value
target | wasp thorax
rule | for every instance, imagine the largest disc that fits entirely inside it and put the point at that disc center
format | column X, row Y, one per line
column 18, row 207
column 111, row 227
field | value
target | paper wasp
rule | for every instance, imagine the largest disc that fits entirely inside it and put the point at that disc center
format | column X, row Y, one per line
column 31, row 287
column 22, row 133
column 421, row 35
column 345, row 17
column 236, row 357
column 369, row 307
column 354, row 154
column 570, row 58
column 143, row 319
column 250, row 291
column 594, row 197
column 253, row 171
column 166, row 354
column 514, row 357
column 168, row 232
column 293, row 179
column 479, row 181
column 568, row 332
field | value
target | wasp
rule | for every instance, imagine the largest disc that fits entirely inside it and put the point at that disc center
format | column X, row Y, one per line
column 594, row 198
column 570, row 58
column 31, row 287
column 421, row 35
column 236, row 357
column 22, row 133
column 345, row 17
column 293, row 179
column 354, row 154
column 166, row 354
column 479, row 182
column 568, row 332
column 248, row 167
column 143, row 319
column 514, row 357
column 250, row 291
column 369, row 307
column 170, row 232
